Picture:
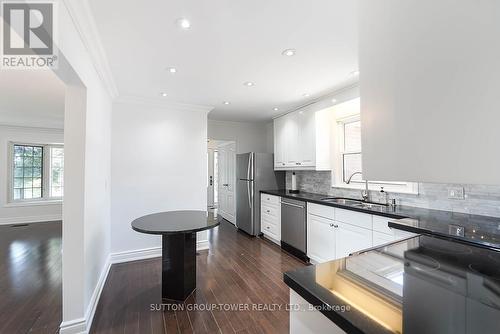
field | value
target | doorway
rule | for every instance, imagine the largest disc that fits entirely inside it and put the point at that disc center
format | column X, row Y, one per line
column 222, row 178
column 32, row 112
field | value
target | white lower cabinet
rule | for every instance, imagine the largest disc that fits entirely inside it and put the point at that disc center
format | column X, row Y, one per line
column 351, row 238
column 270, row 217
column 383, row 234
column 381, row 238
column 334, row 233
column 320, row 239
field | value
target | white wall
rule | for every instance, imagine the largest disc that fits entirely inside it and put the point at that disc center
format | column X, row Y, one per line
column 25, row 213
column 429, row 82
column 159, row 163
column 87, row 124
column 249, row 137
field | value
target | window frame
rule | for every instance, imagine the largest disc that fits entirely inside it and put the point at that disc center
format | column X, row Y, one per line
column 338, row 180
column 46, row 183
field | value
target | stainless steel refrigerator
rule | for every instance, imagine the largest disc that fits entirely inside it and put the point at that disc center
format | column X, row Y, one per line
column 254, row 172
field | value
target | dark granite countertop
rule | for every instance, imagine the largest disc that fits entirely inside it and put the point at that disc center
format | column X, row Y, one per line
column 421, row 285
column 483, row 231
column 175, row 222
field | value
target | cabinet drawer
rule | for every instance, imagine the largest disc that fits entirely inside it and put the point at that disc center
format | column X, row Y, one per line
column 354, row 218
column 271, row 229
column 270, row 210
column 270, row 219
column 321, row 210
column 270, row 199
column 380, row 224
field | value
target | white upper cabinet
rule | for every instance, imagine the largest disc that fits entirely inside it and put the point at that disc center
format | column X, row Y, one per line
column 279, row 150
column 302, row 140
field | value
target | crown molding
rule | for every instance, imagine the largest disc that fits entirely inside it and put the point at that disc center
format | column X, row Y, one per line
column 21, row 128
column 84, row 22
column 323, row 99
column 161, row 103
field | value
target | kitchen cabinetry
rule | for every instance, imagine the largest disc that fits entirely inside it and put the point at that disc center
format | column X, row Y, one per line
column 270, row 217
column 302, row 140
column 321, row 237
column 334, row 233
column 351, row 238
column 383, row 234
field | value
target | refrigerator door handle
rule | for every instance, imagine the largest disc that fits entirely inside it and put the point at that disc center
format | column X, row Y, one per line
column 250, row 195
column 249, row 166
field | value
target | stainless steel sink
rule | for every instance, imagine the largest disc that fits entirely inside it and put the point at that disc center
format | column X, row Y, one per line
column 352, row 202
column 370, row 205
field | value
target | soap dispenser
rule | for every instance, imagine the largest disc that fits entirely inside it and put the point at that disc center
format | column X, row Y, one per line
column 384, row 196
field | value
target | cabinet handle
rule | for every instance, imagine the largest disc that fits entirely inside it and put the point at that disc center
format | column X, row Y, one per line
column 267, row 227
column 268, row 211
column 334, row 225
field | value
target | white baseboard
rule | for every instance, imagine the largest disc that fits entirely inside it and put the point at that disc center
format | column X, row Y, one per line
column 30, row 219
column 136, row 254
column 82, row 325
column 202, row 245
column 147, row 253
column 77, row 326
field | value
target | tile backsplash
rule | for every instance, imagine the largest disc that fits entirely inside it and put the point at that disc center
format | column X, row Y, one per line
column 479, row 199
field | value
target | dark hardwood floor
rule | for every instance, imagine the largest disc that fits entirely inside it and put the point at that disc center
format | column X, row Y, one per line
column 30, row 278
column 237, row 272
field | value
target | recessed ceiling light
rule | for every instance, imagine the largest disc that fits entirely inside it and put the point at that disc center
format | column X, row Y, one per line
column 226, row 102
column 306, row 95
column 183, row 23
column 289, row 52
column 275, row 109
column 172, row 69
column 334, row 100
column 249, row 84
column 163, row 94
column 354, row 73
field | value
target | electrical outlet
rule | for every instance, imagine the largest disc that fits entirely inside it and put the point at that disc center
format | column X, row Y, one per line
column 456, row 193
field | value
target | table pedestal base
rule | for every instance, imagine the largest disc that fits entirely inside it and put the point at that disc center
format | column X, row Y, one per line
column 178, row 266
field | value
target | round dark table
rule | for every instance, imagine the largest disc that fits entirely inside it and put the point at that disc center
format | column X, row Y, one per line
column 178, row 230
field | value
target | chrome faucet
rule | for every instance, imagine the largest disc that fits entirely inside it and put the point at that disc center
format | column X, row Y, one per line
column 365, row 193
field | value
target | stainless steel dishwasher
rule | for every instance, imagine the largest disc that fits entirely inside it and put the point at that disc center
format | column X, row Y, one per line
column 293, row 227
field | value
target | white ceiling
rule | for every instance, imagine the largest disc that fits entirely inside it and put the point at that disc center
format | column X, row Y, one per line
column 31, row 98
column 230, row 42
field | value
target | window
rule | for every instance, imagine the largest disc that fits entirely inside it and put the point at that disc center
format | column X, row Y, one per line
column 56, row 171
column 37, row 172
column 28, row 167
column 349, row 153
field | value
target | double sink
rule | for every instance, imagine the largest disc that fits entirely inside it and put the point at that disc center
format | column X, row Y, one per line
column 353, row 202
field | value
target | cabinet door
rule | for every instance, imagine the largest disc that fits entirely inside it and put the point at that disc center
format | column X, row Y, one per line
column 320, row 239
column 291, row 140
column 279, row 142
column 307, row 138
column 381, row 238
column 350, row 239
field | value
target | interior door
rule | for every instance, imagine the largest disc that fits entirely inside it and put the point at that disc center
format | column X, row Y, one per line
column 226, row 172
column 211, row 179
